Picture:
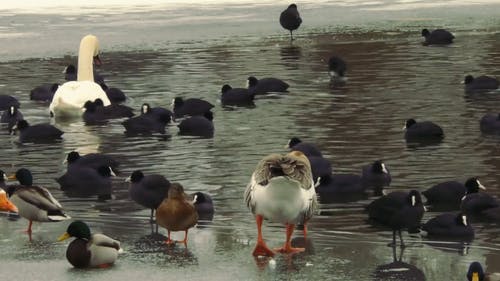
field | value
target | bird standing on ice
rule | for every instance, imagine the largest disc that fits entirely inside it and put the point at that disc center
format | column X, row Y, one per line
column 70, row 97
column 281, row 190
column 34, row 203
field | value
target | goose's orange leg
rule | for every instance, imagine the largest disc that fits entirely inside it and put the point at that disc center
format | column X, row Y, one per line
column 287, row 248
column 261, row 248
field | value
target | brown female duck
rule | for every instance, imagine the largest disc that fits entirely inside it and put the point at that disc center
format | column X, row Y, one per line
column 176, row 213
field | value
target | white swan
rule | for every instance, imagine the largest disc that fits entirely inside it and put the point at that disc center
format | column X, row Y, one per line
column 70, row 97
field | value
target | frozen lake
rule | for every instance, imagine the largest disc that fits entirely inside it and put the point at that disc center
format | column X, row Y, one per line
column 158, row 50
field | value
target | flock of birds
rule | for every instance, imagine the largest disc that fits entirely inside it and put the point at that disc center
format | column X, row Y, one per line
column 283, row 188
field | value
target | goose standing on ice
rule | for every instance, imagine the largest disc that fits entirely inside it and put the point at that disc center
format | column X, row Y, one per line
column 281, row 190
column 70, row 97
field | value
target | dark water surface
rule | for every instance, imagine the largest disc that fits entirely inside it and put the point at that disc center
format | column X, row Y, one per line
column 392, row 77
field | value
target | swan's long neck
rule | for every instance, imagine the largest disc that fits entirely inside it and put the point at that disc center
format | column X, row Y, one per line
column 88, row 49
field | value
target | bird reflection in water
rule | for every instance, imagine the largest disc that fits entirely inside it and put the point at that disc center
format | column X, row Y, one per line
column 398, row 270
column 290, row 52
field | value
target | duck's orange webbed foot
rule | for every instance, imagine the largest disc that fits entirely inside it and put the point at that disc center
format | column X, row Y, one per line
column 104, row 265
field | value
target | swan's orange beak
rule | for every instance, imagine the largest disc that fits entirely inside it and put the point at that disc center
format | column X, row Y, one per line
column 475, row 276
column 5, row 204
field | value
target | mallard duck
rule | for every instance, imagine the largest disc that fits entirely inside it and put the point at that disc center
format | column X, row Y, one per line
column 148, row 191
column 476, row 272
column 5, row 204
column 89, row 250
column 281, row 189
column 176, row 213
column 35, row 203
column 70, row 97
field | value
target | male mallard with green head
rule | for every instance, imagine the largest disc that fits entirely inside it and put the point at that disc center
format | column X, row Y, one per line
column 35, row 203
column 89, row 250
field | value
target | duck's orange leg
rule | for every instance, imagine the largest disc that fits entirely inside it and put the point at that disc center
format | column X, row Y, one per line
column 29, row 230
column 287, row 248
column 305, row 231
column 184, row 241
column 29, row 227
column 169, row 241
column 261, row 248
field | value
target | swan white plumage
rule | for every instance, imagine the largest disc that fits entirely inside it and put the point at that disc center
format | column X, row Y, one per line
column 70, row 97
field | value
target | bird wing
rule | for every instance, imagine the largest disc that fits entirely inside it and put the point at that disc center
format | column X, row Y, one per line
column 38, row 196
column 262, row 173
column 313, row 203
column 105, row 241
column 296, row 165
column 260, row 176
column 249, row 192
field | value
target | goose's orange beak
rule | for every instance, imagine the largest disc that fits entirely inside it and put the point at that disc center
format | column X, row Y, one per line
column 5, row 204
